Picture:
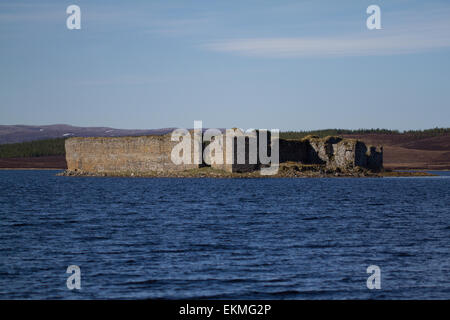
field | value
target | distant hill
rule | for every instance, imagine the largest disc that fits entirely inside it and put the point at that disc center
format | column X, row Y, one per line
column 23, row 133
column 418, row 149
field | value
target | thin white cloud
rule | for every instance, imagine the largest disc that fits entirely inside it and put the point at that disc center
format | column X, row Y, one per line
column 179, row 26
column 396, row 40
column 124, row 80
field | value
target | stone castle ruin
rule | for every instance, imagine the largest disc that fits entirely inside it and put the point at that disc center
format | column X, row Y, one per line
column 152, row 154
column 333, row 152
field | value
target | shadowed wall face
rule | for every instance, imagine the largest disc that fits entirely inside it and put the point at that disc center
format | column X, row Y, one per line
column 334, row 152
column 241, row 161
column 240, row 146
column 296, row 151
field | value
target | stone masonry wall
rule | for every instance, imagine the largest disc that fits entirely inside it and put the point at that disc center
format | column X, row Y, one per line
column 122, row 155
column 128, row 155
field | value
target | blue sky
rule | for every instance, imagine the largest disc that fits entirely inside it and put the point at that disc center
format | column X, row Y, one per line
column 291, row 65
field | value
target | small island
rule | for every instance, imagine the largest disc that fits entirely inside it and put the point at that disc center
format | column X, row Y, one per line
column 150, row 156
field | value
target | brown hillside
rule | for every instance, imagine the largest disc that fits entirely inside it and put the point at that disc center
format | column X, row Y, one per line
column 50, row 162
column 404, row 151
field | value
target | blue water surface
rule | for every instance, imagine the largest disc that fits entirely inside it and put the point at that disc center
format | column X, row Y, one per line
column 139, row 238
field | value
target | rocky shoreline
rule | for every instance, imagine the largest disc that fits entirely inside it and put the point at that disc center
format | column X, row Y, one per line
column 285, row 171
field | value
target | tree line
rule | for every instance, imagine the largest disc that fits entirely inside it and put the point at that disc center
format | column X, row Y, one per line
column 337, row 132
column 37, row 148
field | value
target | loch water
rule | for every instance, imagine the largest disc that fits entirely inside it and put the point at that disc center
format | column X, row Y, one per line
column 270, row 238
